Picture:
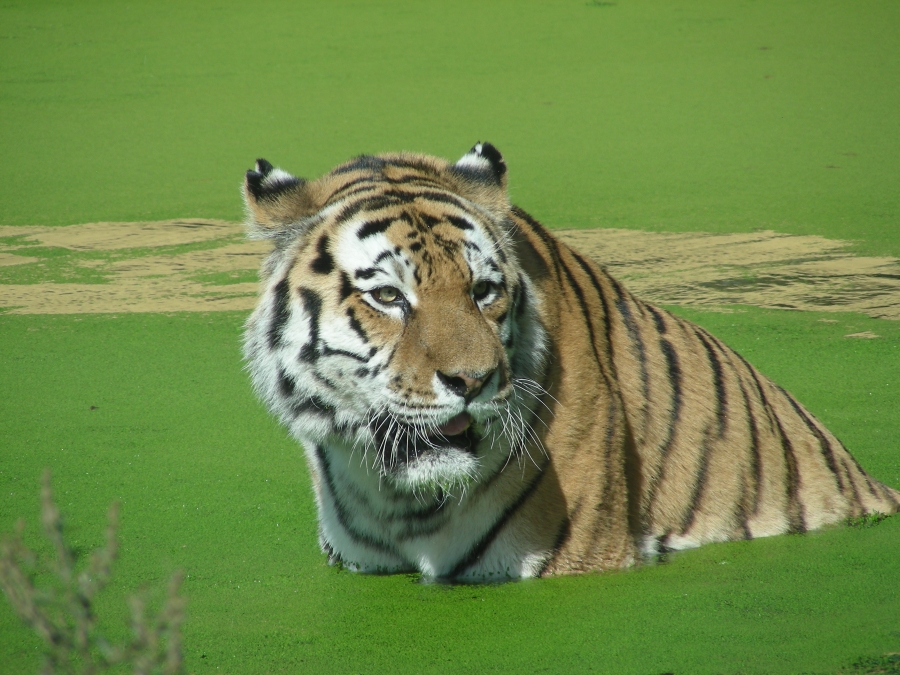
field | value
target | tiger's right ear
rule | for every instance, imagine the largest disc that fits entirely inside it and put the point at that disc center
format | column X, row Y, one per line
column 483, row 164
column 275, row 199
column 481, row 173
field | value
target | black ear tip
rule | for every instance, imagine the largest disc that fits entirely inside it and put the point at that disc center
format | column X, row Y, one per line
column 492, row 166
column 263, row 167
column 492, row 154
column 254, row 181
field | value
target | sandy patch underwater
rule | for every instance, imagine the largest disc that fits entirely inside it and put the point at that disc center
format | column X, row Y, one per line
column 206, row 265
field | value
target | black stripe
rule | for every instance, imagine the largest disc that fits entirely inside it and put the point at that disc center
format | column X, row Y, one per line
column 546, row 238
column 674, row 370
column 270, row 190
column 718, row 382
column 282, row 314
column 313, row 404
column 429, row 221
column 445, row 198
column 415, row 179
column 792, row 476
column 373, row 163
column 367, row 183
column 519, row 304
column 329, row 351
column 461, row 223
column 699, row 485
column 888, row 494
column 610, row 380
column 355, row 192
column 342, row 515
column 601, row 525
column 634, row 333
column 585, row 313
column 312, row 303
column 562, row 536
column 347, row 288
column 852, row 482
column 395, row 197
column 487, row 539
column 287, row 385
column 601, row 295
column 869, row 483
column 755, row 460
column 324, row 381
column 824, row 445
column 374, row 227
column 384, row 255
column 742, row 516
column 374, row 203
column 658, row 319
column 519, row 298
column 324, row 263
column 861, row 470
column 355, row 325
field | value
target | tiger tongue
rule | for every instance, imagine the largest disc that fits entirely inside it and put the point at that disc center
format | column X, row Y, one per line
column 456, row 425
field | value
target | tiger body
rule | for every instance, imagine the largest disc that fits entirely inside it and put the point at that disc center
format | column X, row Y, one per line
column 478, row 401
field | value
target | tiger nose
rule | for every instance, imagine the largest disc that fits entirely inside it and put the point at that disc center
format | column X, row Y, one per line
column 466, row 385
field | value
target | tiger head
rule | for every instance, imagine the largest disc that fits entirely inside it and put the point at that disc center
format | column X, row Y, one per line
column 392, row 321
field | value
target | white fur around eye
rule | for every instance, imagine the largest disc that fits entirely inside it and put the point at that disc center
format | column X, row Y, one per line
column 354, row 255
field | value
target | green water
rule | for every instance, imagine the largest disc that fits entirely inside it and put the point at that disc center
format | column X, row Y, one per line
column 701, row 116
column 707, row 116
column 154, row 411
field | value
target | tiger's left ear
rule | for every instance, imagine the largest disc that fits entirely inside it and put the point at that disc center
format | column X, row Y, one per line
column 483, row 176
column 275, row 199
column 483, row 163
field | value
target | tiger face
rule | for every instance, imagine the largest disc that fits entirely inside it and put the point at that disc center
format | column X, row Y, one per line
column 391, row 324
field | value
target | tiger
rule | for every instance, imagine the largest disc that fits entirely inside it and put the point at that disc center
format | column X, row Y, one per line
column 477, row 401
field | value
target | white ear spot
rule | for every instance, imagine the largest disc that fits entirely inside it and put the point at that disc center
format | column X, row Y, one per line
column 277, row 176
column 474, row 160
column 484, row 163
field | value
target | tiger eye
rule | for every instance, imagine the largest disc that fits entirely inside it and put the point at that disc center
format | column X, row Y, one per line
column 387, row 294
column 480, row 289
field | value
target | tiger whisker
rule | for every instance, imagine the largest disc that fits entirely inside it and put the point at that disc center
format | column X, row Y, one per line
column 517, row 387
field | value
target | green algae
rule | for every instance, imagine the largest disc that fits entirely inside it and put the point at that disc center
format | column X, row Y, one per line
column 155, row 411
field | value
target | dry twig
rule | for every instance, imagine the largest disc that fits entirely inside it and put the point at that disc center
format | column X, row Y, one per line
column 63, row 614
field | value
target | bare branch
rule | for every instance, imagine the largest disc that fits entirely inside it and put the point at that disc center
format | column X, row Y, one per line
column 63, row 614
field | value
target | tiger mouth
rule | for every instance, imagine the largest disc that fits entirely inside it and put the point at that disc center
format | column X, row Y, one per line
column 405, row 443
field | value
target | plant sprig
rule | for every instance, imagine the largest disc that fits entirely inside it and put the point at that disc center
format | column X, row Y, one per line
column 63, row 613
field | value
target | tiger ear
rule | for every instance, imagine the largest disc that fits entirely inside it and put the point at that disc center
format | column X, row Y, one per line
column 484, row 164
column 275, row 199
column 483, row 174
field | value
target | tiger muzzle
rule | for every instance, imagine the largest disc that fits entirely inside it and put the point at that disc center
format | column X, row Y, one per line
column 402, row 444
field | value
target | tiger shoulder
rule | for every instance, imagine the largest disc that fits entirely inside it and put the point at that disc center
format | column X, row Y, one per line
column 476, row 400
